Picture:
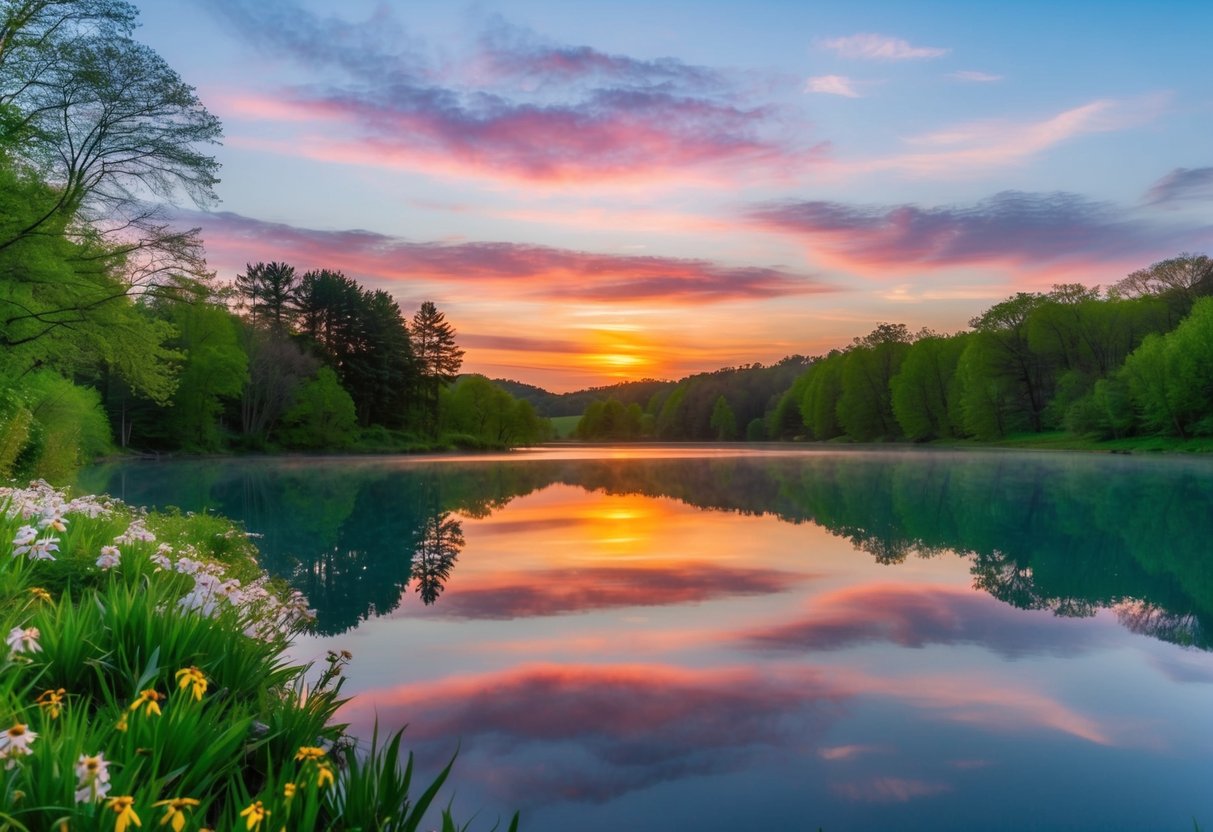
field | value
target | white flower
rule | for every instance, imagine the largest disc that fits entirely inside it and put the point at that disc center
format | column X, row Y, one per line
column 162, row 562
column 93, row 776
column 39, row 549
column 23, row 539
column 24, row 641
column 136, row 532
column 15, row 743
column 110, row 557
column 52, row 519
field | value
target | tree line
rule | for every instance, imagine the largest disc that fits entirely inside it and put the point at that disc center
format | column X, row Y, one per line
column 113, row 331
column 1133, row 360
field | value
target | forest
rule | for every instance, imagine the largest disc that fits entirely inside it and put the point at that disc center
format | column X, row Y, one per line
column 113, row 333
column 1134, row 360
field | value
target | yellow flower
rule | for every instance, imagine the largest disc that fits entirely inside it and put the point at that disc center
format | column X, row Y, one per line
column 288, row 790
column 309, row 752
column 121, row 723
column 40, row 594
column 254, row 814
column 174, row 811
column 192, row 676
column 124, row 808
column 149, row 701
column 51, row 701
column 324, row 775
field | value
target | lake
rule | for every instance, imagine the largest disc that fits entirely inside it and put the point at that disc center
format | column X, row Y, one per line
column 644, row 638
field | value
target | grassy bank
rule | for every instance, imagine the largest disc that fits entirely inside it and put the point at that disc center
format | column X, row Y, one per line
column 143, row 682
column 1062, row 441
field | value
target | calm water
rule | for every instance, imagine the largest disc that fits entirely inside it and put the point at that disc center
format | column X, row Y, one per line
column 640, row 639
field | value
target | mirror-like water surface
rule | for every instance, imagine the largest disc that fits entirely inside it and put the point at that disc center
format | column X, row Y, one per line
column 684, row 638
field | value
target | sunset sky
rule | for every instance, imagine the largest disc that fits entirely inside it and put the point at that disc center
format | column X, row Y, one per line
column 597, row 191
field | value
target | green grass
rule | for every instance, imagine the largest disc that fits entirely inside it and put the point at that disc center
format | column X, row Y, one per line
column 169, row 671
column 1062, row 441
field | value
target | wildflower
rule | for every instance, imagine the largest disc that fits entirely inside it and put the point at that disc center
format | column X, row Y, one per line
column 51, row 702
column 174, row 811
column 324, row 775
column 309, row 752
column 41, row 549
column 121, row 724
column 110, row 557
column 52, row 519
column 192, row 676
column 24, row 641
column 15, row 743
column 40, row 594
column 136, row 532
column 24, row 539
column 93, row 778
column 288, row 790
column 148, row 700
column 124, row 808
column 161, row 559
column 254, row 814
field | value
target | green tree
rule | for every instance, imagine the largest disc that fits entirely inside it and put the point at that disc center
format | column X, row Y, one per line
column 323, row 415
column 723, row 422
column 865, row 407
column 438, row 356
column 926, row 388
column 1170, row 377
column 822, row 390
column 105, row 122
column 269, row 292
column 1003, row 356
column 214, row 369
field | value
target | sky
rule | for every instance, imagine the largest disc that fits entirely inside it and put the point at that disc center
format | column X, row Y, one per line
column 595, row 192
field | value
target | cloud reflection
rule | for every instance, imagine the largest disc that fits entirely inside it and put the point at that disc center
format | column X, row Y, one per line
column 915, row 616
column 592, row 733
column 558, row 591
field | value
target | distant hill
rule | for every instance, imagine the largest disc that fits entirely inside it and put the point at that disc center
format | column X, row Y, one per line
column 550, row 404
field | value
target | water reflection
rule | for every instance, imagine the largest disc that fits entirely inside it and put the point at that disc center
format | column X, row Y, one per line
column 845, row 640
column 1061, row 533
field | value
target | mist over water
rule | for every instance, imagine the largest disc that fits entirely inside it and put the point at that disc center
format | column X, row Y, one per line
column 650, row 638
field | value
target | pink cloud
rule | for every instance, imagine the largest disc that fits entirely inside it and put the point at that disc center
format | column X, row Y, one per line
column 1057, row 233
column 592, row 733
column 872, row 46
column 525, row 271
column 832, row 85
column 525, row 110
column 921, row 615
column 996, row 143
column 560, row 591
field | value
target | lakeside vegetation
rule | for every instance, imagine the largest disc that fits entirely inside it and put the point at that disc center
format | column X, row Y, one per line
column 1077, row 367
column 114, row 334
column 144, row 682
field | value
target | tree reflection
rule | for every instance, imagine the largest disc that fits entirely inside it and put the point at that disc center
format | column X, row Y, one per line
column 440, row 543
column 1064, row 533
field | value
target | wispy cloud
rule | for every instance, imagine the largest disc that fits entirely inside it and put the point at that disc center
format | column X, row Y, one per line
column 832, row 85
column 975, row 76
column 1182, row 185
column 520, row 270
column 994, row 143
column 1025, row 230
column 517, row 108
column 875, row 47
